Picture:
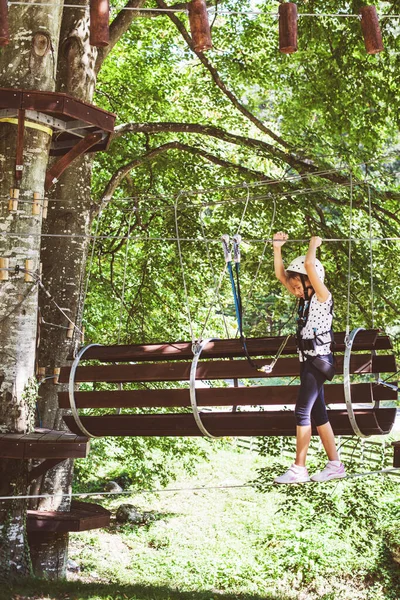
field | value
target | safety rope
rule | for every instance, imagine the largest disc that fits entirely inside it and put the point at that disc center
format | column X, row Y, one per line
column 178, row 241
column 371, row 258
column 124, row 280
column 89, row 268
column 349, row 261
column 217, row 284
column 386, row 471
column 267, row 243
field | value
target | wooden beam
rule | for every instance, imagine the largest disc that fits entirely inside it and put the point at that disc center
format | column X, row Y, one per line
column 217, row 369
column 99, row 23
column 371, row 30
column 259, row 423
column 80, row 148
column 287, row 27
column 19, row 159
column 221, row 396
column 44, row 444
column 365, row 340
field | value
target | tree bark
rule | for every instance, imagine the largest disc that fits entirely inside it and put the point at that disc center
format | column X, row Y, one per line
column 64, row 262
column 27, row 63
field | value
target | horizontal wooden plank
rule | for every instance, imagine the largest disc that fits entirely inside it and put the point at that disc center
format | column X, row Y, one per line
column 224, row 396
column 259, row 423
column 59, row 450
column 266, row 346
column 44, row 444
column 217, row 369
column 82, row 517
column 11, row 449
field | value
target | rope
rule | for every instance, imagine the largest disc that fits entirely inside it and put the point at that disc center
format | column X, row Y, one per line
column 89, row 269
column 139, row 238
column 192, row 489
column 182, row 267
column 244, row 210
column 370, row 258
column 124, row 280
column 262, row 254
column 184, row 10
column 217, row 284
column 349, row 261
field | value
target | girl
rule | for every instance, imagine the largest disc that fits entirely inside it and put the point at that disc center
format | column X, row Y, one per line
column 304, row 278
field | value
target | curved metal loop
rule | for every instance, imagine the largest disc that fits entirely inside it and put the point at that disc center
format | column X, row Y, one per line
column 347, row 383
column 71, row 384
column 197, row 350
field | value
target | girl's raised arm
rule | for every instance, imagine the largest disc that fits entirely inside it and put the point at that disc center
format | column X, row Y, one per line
column 320, row 288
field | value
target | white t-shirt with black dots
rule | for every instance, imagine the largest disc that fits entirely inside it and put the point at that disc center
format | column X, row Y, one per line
column 319, row 321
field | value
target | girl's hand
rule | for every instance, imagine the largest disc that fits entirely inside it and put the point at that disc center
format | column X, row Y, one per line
column 279, row 239
column 315, row 241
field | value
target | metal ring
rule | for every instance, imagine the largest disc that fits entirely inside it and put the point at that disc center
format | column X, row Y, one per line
column 347, row 384
column 71, row 390
column 199, row 349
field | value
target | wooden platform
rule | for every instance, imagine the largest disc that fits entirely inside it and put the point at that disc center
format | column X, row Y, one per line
column 82, row 517
column 43, row 443
column 70, row 118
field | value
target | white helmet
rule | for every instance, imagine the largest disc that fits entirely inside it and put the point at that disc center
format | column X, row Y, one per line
column 297, row 266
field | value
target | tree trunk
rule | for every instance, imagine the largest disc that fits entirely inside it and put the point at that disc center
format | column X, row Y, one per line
column 27, row 63
column 64, row 263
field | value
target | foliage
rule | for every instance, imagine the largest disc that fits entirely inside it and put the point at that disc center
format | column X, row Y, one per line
column 329, row 105
column 136, row 463
column 213, row 540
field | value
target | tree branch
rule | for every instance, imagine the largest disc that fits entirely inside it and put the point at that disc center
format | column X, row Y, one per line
column 216, row 132
column 218, row 81
column 123, row 171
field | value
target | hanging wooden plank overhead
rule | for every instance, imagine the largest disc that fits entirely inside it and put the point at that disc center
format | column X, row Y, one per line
column 371, row 30
column 288, row 28
column 99, row 23
column 199, row 25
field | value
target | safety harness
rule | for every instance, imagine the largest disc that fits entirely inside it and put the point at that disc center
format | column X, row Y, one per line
column 302, row 318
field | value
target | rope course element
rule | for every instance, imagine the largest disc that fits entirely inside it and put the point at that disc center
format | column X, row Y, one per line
column 349, row 257
column 371, row 258
column 192, row 489
column 197, row 350
column 185, row 10
column 71, row 392
column 347, row 384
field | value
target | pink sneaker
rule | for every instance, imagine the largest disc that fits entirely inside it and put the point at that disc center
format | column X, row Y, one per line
column 294, row 474
column 331, row 471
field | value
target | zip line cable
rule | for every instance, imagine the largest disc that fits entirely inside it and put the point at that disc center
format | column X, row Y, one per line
column 195, row 240
column 193, row 489
column 185, row 10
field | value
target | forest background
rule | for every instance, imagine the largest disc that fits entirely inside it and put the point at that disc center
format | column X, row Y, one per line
column 239, row 138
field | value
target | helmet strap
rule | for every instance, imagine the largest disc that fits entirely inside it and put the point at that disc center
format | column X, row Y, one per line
column 305, row 287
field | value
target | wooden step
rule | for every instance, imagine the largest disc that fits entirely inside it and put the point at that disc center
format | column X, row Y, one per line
column 44, row 443
column 221, row 396
column 217, row 369
column 266, row 346
column 266, row 423
column 82, row 517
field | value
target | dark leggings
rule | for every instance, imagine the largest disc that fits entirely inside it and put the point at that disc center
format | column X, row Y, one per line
column 310, row 401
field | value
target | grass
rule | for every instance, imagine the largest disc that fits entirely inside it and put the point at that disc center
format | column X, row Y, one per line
column 232, row 543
